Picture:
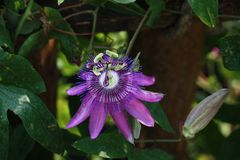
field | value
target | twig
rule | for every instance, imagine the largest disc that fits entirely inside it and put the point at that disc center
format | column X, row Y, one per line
column 90, row 46
column 82, row 23
column 79, row 13
column 220, row 15
column 158, row 141
column 229, row 16
column 174, row 11
column 137, row 32
column 71, row 6
column 71, row 33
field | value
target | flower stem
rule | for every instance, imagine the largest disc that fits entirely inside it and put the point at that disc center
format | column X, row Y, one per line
column 159, row 141
column 90, row 46
column 137, row 32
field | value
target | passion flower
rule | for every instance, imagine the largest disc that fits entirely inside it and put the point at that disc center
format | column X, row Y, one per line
column 111, row 84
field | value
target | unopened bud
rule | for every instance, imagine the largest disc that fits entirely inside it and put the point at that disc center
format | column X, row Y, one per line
column 202, row 114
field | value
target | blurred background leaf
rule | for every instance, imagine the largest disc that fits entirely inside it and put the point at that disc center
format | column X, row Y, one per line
column 230, row 48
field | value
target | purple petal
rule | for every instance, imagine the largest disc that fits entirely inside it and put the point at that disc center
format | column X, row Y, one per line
column 143, row 80
column 121, row 122
column 83, row 112
column 139, row 111
column 77, row 90
column 97, row 120
column 148, row 96
column 86, row 75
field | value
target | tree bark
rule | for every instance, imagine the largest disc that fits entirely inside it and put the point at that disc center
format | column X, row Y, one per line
column 45, row 63
column 175, row 62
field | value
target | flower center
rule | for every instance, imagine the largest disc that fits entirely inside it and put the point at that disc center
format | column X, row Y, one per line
column 109, row 79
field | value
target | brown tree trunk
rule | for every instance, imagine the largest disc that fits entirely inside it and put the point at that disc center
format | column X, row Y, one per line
column 45, row 63
column 175, row 62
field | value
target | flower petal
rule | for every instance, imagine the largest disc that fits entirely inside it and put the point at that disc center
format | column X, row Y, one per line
column 148, row 96
column 143, row 80
column 139, row 111
column 121, row 122
column 83, row 112
column 86, row 75
column 97, row 120
column 77, row 90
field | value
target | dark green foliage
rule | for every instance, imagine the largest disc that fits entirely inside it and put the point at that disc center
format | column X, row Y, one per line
column 4, row 134
column 37, row 120
column 5, row 39
column 69, row 43
column 113, row 145
column 109, row 145
column 149, row 154
column 18, row 71
column 230, row 50
column 156, row 7
column 209, row 140
column 159, row 116
column 128, row 9
column 34, row 42
column 20, row 144
column 231, row 147
column 206, row 10
column 229, row 113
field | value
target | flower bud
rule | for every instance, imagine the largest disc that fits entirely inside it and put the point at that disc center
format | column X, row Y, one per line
column 203, row 113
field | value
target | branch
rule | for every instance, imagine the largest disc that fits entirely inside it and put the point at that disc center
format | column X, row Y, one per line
column 90, row 46
column 71, row 33
column 159, row 141
column 71, row 6
column 79, row 13
column 137, row 32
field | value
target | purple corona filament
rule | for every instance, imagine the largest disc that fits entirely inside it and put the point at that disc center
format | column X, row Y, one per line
column 112, row 87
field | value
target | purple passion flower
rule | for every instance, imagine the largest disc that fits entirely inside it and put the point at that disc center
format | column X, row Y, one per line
column 111, row 84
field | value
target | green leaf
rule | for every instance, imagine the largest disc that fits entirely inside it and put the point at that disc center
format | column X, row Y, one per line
column 4, row 133
column 16, row 70
column 231, row 148
column 149, row 154
column 5, row 40
column 30, row 25
column 34, row 42
column 128, row 9
column 124, row 1
column 23, row 19
column 60, row 2
column 159, row 116
column 69, row 44
column 156, row 7
column 20, row 144
column 230, row 49
column 36, row 118
column 110, row 145
column 206, row 10
column 229, row 113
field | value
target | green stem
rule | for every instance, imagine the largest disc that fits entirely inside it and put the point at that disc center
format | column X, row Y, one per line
column 159, row 141
column 23, row 19
column 137, row 32
column 90, row 46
